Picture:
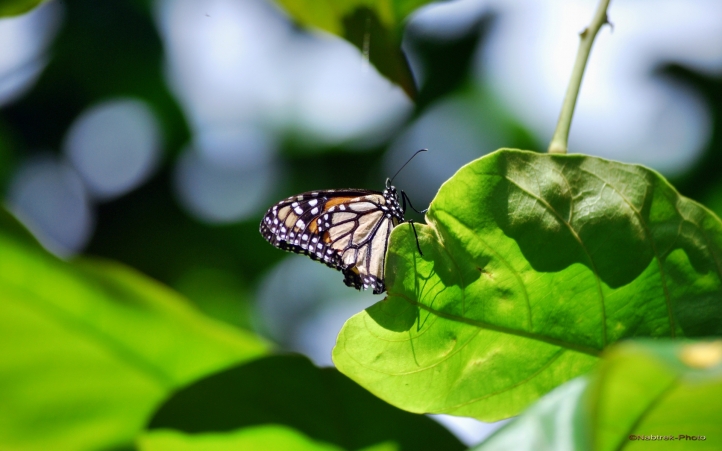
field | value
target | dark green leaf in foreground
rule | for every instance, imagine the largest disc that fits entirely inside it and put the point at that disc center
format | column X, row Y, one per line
column 641, row 389
column 17, row 7
column 89, row 349
column 532, row 265
column 289, row 391
column 375, row 27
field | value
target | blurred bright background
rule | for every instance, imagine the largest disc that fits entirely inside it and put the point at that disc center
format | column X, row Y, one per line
column 158, row 133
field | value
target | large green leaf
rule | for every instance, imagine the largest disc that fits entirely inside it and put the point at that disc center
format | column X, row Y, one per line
column 374, row 26
column 88, row 349
column 532, row 264
column 645, row 395
column 289, row 391
column 17, row 7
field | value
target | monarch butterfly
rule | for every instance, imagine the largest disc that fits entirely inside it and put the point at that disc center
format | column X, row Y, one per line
column 347, row 229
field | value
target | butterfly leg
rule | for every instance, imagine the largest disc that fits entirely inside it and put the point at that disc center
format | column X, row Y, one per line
column 413, row 227
column 404, row 198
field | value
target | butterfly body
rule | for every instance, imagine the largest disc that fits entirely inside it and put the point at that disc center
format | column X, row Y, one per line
column 346, row 229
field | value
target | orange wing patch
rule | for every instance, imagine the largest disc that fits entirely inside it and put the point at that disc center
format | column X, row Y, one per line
column 338, row 201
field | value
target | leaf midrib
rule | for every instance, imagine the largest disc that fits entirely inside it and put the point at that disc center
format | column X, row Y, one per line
column 661, row 396
column 506, row 330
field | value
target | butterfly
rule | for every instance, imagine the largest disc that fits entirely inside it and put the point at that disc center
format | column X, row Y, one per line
column 347, row 229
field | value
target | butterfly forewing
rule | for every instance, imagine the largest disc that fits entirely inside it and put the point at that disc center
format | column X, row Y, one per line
column 346, row 229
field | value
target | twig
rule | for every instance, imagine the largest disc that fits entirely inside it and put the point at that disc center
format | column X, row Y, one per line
column 559, row 141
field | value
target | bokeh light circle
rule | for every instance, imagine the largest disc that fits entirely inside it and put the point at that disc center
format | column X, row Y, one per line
column 114, row 146
column 47, row 195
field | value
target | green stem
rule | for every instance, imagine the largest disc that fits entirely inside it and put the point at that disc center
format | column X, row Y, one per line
column 561, row 134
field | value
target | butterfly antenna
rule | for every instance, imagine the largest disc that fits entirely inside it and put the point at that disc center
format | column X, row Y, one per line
column 407, row 162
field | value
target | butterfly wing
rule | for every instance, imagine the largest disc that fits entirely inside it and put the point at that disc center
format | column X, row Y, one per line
column 346, row 229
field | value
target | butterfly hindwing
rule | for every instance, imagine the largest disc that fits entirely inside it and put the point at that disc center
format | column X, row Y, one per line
column 346, row 229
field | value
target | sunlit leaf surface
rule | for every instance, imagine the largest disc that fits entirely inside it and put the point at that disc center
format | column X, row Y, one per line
column 290, row 391
column 532, row 265
column 374, row 26
column 90, row 348
column 645, row 395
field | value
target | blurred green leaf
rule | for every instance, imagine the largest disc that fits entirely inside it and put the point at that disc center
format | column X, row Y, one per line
column 217, row 293
column 260, row 438
column 90, row 348
column 641, row 389
column 532, row 265
column 556, row 423
column 8, row 156
column 17, row 7
column 13, row 229
column 712, row 197
column 256, row 438
column 448, row 64
column 374, row 26
column 646, row 388
column 289, row 391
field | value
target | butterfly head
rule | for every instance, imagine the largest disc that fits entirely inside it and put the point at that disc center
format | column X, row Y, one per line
column 390, row 191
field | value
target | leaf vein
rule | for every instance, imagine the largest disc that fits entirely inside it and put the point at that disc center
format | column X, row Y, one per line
column 502, row 260
column 584, row 248
column 647, row 231
column 552, row 359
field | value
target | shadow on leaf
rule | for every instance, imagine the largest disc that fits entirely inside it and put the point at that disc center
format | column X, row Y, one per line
column 291, row 391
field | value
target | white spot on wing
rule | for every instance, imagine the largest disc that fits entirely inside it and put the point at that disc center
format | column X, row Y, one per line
column 362, row 206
